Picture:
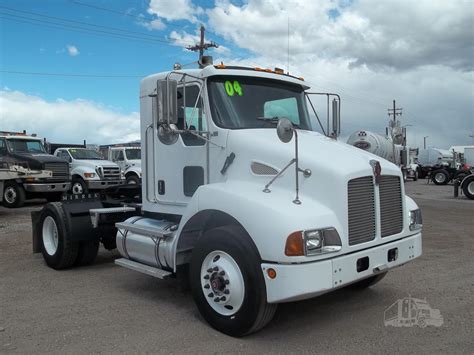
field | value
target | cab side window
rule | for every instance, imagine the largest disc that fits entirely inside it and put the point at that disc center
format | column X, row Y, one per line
column 191, row 115
column 117, row 155
column 3, row 147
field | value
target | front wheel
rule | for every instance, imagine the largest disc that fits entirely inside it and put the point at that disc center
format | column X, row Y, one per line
column 133, row 180
column 468, row 187
column 78, row 186
column 440, row 177
column 13, row 195
column 227, row 282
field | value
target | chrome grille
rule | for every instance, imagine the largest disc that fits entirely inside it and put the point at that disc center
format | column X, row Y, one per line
column 391, row 210
column 361, row 210
column 110, row 172
column 60, row 170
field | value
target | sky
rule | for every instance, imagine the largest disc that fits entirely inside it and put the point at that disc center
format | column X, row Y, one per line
column 70, row 69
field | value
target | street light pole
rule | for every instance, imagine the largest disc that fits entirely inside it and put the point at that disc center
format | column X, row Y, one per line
column 424, row 141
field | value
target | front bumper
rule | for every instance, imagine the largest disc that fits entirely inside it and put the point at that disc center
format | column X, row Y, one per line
column 48, row 187
column 103, row 184
column 301, row 281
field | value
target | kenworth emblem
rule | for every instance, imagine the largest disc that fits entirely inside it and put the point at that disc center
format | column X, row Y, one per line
column 377, row 169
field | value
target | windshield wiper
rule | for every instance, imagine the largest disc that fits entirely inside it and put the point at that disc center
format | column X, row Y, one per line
column 275, row 120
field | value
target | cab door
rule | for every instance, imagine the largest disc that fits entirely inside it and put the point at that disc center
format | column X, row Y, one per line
column 181, row 166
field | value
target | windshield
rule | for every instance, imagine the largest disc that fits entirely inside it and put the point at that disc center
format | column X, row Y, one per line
column 85, row 154
column 244, row 102
column 133, row 154
column 25, row 146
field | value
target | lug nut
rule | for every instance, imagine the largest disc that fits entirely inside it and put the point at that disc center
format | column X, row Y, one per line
column 206, row 286
column 226, row 282
column 210, row 295
column 216, row 299
column 223, row 298
column 216, row 268
column 209, row 270
column 222, row 273
column 226, row 292
column 217, row 257
column 206, row 277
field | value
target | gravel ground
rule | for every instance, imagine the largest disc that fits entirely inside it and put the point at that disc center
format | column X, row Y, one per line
column 105, row 308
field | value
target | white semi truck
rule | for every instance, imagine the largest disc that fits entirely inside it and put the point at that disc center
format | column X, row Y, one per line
column 239, row 190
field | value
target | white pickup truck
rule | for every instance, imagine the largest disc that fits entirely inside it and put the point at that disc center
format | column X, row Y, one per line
column 129, row 160
column 89, row 171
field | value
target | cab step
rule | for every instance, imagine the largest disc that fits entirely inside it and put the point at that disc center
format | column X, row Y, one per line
column 144, row 269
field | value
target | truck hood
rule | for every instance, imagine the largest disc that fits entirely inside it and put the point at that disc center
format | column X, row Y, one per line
column 34, row 161
column 322, row 155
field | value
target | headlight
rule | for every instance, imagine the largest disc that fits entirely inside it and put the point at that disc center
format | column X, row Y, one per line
column 313, row 242
column 89, row 175
column 416, row 222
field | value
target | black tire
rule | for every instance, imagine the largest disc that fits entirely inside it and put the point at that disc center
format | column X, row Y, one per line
column 468, row 187
column 13, row 195
column 370, row 281
column 415, row 176
column 133, row 179
column 67, row 250
column 255, row 312
column 440, row 177
column 78, row 186
column 87, row 252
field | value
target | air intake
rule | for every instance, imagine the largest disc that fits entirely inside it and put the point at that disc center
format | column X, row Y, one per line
column 262, row 169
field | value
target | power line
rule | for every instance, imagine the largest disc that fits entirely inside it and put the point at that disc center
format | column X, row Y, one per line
column 69, row 74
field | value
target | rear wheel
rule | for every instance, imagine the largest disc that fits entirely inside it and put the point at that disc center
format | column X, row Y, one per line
column 415, row 175
column 440, row 177
column 370, row 281
column 227, row 282
column 468, row 187
column 58, row 251
column 13, row 195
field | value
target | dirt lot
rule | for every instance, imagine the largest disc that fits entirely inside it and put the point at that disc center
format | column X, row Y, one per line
column 104, row 308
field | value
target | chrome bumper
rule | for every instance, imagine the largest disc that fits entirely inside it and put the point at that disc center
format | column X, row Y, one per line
column 45, row 187
column 103, row 184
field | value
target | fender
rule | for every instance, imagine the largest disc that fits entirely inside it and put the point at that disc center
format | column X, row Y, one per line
column 467, row 178
column 133, row 170
column 80, row 170
column 267, row 217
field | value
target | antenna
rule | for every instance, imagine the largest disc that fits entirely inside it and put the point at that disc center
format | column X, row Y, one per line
column 202, row 46
column 288, row 66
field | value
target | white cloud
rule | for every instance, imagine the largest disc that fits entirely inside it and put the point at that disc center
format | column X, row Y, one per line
column 66, row 121
column 398, row 34
column 72, row 50
column 155, row 24
column 173, row 10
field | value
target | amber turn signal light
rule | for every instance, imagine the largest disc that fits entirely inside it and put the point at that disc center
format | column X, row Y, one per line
column 295, row 244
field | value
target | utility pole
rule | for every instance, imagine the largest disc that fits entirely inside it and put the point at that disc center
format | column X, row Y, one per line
column 394, row 111
column 202, row 46
column 424, row 141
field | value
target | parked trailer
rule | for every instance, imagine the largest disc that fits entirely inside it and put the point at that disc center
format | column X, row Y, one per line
column 385, row 148
column 250, row 202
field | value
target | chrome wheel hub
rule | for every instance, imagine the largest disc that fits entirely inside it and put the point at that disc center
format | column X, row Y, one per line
column 50, row 235
column 470, row 187
column 222, row 283
column 439, row 177
column 77, row 188
column 10, row 195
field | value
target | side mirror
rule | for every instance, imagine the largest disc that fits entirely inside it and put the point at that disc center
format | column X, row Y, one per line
column 336, row 118
column 167, row 101
column 285, row 130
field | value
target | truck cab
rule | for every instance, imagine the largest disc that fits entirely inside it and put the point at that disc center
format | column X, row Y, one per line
column 242, row 192
column 26, row 157
column 89, row 171
column 129, row 160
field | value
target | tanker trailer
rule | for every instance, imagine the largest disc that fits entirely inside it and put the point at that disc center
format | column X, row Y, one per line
column 384, row 147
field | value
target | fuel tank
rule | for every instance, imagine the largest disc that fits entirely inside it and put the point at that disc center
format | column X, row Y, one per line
column 144, row 248
column 376, row 144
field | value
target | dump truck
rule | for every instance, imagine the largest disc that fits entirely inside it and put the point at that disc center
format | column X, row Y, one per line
column 241, row 194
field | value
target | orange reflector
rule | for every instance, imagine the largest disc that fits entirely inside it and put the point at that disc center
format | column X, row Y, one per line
column 271, row 273
column 294, row 244
column 220, row 66
column 301, row 78
column 279, row 71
